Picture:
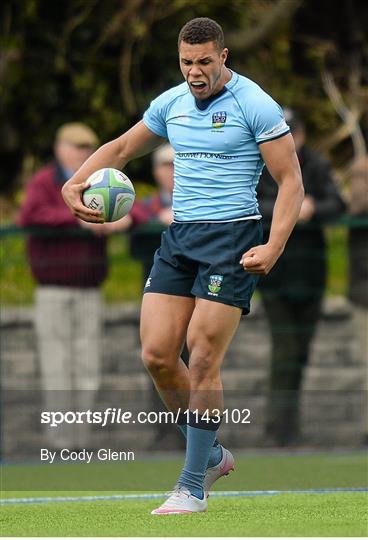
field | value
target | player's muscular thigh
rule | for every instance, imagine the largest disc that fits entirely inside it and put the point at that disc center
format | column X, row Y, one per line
column 164, row 322
column 210, row 331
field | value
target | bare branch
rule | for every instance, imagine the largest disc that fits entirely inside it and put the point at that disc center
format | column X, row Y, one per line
column 118, row 23
column 341, row 133
column 334, row 95
column 127, row 93
column 61, row 41
column 79, row 18
column 276, row 13
column 350, row 116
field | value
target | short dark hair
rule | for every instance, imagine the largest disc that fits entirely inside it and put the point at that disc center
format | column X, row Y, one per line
column 202, row 30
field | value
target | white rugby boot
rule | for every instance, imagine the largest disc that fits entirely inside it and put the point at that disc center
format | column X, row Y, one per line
column 181, row 502
column 221, row 469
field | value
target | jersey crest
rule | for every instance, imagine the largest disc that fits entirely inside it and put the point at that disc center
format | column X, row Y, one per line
column 219, row 119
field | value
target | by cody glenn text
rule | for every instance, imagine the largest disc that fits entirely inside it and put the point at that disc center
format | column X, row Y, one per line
column 84, row 455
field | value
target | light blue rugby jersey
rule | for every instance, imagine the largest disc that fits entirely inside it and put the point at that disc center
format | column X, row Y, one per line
column 217, row 159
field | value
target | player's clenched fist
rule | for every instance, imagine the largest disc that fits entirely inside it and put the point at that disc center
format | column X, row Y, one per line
column 260, row 259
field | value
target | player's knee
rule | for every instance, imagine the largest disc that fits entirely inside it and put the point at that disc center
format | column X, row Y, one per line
column 203, row 365
column 154, row 361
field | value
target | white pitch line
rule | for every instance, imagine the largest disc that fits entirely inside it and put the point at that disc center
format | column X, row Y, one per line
column 37, row 500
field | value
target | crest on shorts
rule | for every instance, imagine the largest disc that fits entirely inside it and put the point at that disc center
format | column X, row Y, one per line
column 215, row 285
column 219, row 119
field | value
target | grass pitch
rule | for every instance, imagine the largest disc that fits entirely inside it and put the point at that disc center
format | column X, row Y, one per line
column 290, row 514
column 341, row 514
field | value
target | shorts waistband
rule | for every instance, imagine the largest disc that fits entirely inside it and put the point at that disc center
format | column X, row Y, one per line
column 245, row 218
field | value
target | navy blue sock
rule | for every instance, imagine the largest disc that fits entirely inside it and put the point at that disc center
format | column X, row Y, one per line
column 200, row 438
column 216, row 450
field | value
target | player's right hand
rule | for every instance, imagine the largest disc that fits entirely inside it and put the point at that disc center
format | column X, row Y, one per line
column 260, row 259
column 72, row 195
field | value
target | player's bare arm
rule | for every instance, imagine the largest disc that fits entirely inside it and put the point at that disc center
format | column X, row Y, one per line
column 282, row 162
column 136, row 142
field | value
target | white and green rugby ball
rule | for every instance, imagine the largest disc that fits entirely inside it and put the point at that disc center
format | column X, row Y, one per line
column 111, row 192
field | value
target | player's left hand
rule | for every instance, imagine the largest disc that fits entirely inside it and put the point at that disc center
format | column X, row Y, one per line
column 260, row 259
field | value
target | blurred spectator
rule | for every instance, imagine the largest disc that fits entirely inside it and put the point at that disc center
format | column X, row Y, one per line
column 158, row 208
column 69, row 267
column 358, row 258
column 160, row 204
column 292, row 293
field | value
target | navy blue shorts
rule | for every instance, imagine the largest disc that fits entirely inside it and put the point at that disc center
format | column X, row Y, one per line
column 202, row 260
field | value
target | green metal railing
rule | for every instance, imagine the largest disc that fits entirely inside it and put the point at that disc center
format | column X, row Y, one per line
column 130, row 257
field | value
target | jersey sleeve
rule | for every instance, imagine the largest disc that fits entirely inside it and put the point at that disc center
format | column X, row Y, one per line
column 155, row 116
column 267, row 119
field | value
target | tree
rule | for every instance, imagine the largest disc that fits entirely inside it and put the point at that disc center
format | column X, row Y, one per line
column 102, row 62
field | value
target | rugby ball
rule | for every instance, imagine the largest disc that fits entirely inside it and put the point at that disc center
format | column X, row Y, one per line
column 111, row 192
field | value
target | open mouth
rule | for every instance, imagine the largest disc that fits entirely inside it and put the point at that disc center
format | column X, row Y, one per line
column 198, row 85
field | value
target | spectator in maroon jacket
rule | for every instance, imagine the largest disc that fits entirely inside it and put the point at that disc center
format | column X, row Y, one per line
column 69, row 265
